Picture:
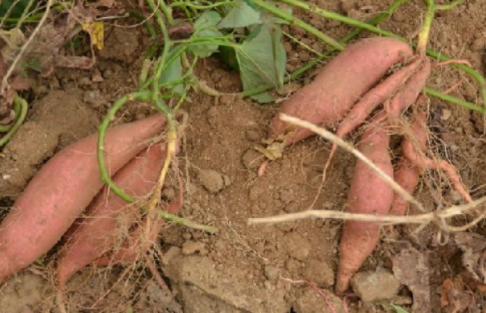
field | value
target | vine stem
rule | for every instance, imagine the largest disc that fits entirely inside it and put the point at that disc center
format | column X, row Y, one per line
column 298, row 22
column 21, row 108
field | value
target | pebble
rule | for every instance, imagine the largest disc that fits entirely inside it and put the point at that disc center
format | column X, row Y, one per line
column 478, row 44
column 211, row 180
column 271, row 272
column 170, row 255
column 311, row 302
column 297, row 246
column 372, row 286
column 252, row 135
column 191, row 247
column 252, row 159
column 97, row 78
column 319, row 272
column 446, row 114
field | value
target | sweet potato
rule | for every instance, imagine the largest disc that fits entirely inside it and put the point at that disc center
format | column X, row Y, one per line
column 136, row 244
column 407, row 176
column 108, row 215
column 62, row 189
column 416, row 155
column 339, row 85
column 368, row 194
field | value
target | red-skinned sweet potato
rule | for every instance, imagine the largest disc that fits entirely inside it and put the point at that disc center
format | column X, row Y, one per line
column 368, row 194
column 137, row 244
column 339, row 85
column 108, row 215
column 62, row 189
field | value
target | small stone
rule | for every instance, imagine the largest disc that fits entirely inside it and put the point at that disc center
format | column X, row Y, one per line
column 252, row 135
column 297, row 246
column 191, row 247
column 93, row 97
column 268, row 284
column 252, row 159
column 97, row 78
column 287, row 196
column 186, row 236
column 319, row 272
column 271, row 272
column 227, row 180
column 170, row 255
column 372, row 286
column 211, row 180
column 311, row 302
column 293, row 266
column 446, row 114
column 84, row 81
column 478, row 44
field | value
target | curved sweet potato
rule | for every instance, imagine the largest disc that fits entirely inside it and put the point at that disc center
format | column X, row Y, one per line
column 62, row 189
column 98, row 232
column 339, row 85
column 368, row 194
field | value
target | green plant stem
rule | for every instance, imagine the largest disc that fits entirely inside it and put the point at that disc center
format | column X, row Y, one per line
column 448, row 98
column 103, row 127
column 187, row 223
column 445, row 7
column 21, row 112
column 423, row 37
column 337, row 17
column 199, row 7
column 298, row 22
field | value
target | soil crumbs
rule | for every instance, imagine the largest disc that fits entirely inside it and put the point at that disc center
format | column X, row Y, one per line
column 253, row 269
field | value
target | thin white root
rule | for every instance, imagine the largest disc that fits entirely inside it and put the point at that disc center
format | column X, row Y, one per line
column 437, row 217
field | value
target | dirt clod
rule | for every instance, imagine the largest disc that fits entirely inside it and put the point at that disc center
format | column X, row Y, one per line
column 297, row 246
column 372, row 286
column 318, row 272
column 311, row 302
column 212, row 180
column 191, row 247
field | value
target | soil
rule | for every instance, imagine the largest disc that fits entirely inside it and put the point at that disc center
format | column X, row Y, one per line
column 247, row 269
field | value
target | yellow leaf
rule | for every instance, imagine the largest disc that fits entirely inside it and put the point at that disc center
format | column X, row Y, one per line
column 96, row 32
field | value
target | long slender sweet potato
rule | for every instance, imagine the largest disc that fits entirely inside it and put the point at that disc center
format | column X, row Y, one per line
column 62, row 189
column 339, row 85
column 407, row 176
column 108, row 215
column 370, row 194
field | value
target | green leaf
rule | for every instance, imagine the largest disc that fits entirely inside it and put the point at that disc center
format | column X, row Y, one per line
column 270, row 19
column 280, row 56
column 399, row 309
column 173, row 73
column 205, row 27
column 262, row 61
column 17, row 10
column 242, row 15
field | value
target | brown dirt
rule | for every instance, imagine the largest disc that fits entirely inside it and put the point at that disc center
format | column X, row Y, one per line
column 244, row 268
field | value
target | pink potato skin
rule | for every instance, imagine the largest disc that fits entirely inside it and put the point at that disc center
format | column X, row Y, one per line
column 62, row 189
column 134, row 247
column 98, row 232
column 369, row 194
column 339, row 85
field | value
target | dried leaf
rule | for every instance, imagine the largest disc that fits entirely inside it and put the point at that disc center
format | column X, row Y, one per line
column 473, row 247
column 96, row 33
column 411, row 268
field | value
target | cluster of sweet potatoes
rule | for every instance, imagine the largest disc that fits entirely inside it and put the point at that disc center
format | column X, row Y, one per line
column 344, row 95
column 68, row 184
